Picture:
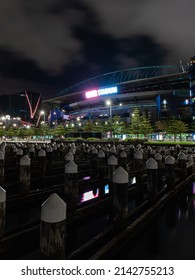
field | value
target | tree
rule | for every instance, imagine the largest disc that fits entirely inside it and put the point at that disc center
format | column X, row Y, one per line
column 89, row 126
column 117, row 126
column 136, row 123
column 145, row 126
column 160, row 126
column 176, row 127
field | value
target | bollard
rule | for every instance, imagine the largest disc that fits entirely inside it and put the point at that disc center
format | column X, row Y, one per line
column 53, row 228
column 163, row 153
column 42, row 163
column 71, row 184
column 106, row 151
column 93, row 161
column 32, row 153
column 2, row 210
column 182, row 159
column 68, row 157
column 170, row 171
column 112, row 150
column 152, row 153
column 19, row 154
column 131, row 156
column 178, row 149
column 123, row 159
column 158, row 158
column 138, row 159
column 172, row 151
column 55, row 151
column 190, row 162
column 101, row 166
column 120, row 197
column 149, row 149
column 112, row 164
column 2, row 168
column 152, row 183
column 25, row 175
column 49, row 157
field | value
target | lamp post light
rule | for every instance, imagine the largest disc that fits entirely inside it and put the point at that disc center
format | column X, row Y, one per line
column 55, row 119
column 109, row 103
column 43, row 113
column 5, row 119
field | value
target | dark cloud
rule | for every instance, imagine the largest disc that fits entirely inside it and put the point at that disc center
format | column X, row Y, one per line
column 169, row 23
column 31, row 29
column 49, row 44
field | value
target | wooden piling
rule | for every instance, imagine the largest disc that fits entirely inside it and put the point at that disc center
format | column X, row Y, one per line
column 53, row 228
column 19, row 154
column 138, row 159
column 93, row 160
column 101, row 165
column 68, row 157
column 182, row 159
column 2, row 210
column 123, row 159
column 42, row 163
column 120, row 197
column 170, row 171
column 158, row 158
column 25, row 175
column 2, row 168
column 112, row 165
column 190, row 164
column 152, row 179
column 32, row 153
column 71, row 185
column 49, row 155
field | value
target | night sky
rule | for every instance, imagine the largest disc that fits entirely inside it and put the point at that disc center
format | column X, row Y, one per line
column 48, row 45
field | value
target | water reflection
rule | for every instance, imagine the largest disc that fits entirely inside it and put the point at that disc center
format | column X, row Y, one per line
column 94, row 193
column 170, row 235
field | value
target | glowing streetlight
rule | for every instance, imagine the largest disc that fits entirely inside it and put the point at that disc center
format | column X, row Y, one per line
column 109, row 103
column 43, row 113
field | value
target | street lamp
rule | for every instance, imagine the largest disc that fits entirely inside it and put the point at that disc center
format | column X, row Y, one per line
column 43, row 113
column 5, row 119
column 109, row 103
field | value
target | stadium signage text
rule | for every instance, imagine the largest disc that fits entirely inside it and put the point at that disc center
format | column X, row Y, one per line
column 101, row 91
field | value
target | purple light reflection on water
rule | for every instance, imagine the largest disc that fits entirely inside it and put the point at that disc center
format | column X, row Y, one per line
column 93, row 193
column 89, row 195
column 86, row 178
column 193, row 187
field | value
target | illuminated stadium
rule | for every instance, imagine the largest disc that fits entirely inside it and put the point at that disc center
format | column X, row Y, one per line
column 160, row 90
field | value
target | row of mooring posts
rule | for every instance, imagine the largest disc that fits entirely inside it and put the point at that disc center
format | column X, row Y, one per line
column 54, row 210
column 98, row 159
column 120, row 180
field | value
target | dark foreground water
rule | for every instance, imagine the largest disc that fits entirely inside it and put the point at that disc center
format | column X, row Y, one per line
column 171, row 235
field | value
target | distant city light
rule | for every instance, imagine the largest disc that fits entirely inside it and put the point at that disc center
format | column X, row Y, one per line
column 187, row 101
column 108, row 102
column 164, row 101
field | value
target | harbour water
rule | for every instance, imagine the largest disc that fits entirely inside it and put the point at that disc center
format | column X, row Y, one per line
column 169, row 236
